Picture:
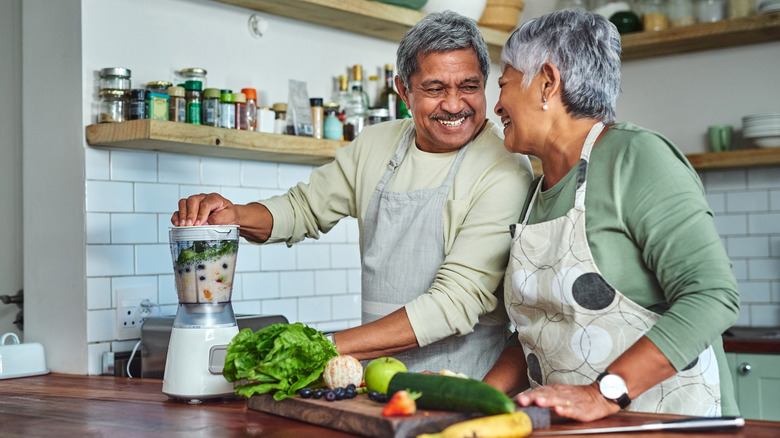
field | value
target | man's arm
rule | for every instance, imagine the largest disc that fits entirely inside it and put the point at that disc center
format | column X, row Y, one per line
column 384, row 337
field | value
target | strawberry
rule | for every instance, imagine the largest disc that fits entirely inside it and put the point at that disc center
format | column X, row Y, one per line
column 402, row 403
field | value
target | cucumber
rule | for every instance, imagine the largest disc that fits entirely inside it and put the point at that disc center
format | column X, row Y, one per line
column 449, row 393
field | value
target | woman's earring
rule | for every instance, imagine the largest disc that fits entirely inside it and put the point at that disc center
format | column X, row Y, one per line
column 544, row 107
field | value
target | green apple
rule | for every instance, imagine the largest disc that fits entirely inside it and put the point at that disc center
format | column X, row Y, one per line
column 379, row 372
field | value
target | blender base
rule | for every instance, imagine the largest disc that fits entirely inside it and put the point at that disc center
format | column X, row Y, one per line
column 196, row 357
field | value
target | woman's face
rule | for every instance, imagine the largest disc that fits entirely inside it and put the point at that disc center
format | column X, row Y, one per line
column 519, row 108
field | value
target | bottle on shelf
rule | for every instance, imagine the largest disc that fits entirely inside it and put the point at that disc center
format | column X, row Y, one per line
column 177, row 104
column 356, row 106
column 193, row 97
column 389, row 97
column 280, row 121
column 317, row 116
column 332, row 128
column 340, row 96
column 241, row 114
column 654, row 15
column 227, row 109
column 209, row 110
column 251, row 107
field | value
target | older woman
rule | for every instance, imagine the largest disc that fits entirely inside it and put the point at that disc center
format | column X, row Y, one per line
column 618, row 284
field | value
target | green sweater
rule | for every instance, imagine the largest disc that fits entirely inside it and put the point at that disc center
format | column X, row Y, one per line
column 653, row 238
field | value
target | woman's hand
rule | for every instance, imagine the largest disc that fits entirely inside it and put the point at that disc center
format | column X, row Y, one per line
column 579, row 402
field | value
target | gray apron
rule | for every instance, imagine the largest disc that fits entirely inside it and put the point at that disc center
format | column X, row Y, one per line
column 573, row 324
column 403, row 249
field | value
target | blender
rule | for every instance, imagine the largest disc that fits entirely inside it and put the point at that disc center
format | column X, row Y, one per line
column 204, row 262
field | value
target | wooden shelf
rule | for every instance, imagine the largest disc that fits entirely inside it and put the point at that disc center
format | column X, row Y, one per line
column 391, row 23
column 704, row 36
column 182, row 138
column 365, row 17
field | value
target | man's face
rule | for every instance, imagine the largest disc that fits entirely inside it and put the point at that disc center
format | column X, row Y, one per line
column 447, row 100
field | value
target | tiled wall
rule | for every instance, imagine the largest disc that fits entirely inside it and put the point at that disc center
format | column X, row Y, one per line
column 131, row 195
column 746, row 203
column 130, row 198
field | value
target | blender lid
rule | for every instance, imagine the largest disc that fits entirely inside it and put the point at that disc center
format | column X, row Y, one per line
column 204, row 232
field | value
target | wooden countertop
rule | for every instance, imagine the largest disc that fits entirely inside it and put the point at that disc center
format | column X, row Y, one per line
column 759, row 340
column 56, row 405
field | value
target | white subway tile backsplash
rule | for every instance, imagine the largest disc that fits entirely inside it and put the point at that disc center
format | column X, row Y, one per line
column 98, row 293
column 166, row 289
column 277, row 257
column 248, row 258
column 106, row 196
column 739, row 201
column 313, row 257
column 269, row 193
column 287, row 307
column 338, row 234
column 261, row 285
column 768, row 223
column 100, row 325
column 330, row 282
column 156, row 198
column 260, row 174
column 353, row 231
column 292, row 174
column 732, row 224
column 346, row 306
column 153, row 259
column 717, row 202
column 764, row 178
column 98, row 228
column 755, row 291
column 96, row 163
column 133, row 166
column 133, row 228
column 296, row 283
column 220, row 171
column 241, row 195
column 354, row 281
column 765, row 315
column 189, row 190
column 178, row 169
column 311, row 310
column 725, row 180
column 163, row 227
column 739, row 268
column 764, row 269
column 95, row 357
column 774, row 246
column 345, row 256
column 108, row 260
column 247, row 307
column 747, row 246
column 148, row 283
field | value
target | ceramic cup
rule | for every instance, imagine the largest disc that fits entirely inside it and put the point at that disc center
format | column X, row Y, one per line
column 720, row 137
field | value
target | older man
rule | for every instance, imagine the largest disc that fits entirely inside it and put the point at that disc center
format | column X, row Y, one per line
column 433, row 197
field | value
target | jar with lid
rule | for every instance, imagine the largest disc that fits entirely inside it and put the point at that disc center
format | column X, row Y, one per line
column 251, row 107
column 280, row 122
column 115, row 78
column 227, row 109
column 681, row 13
column 317, row 116
column 709, row 11
column 157, row 100
column 192, row 95
column 113, row 106
column 741, row 8
column 192, row 74
column 331, row 126
column 177, row 104
column 137, row 104
column 569, row 4
column 378, row 115
column 654, row 14
column 209, row 113
column 241, row 121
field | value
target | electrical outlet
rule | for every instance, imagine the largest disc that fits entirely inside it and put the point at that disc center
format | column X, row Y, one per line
column 133, row 306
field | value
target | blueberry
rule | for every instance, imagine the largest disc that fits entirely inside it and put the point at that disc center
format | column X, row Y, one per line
column 202, row 278
column 317, row 393
column 350, row 393
column 330, row 396
column 351, row 385
column 381, row 398
column 306, row 393
column 339, row 392
column 225, row 265
column 372, row 395
column 201, row 267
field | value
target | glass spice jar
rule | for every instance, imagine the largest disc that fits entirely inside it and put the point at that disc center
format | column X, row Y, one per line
column 241, row 116
column 227, row 109
column 209, row 114
column 681, row 13
column 709, row 11
column 177, row 105
column 115, row 78
column 137, row 104
column 192, row 74
column 654, row 15
column 157, row 99
column 113, row 106
column 192, row 95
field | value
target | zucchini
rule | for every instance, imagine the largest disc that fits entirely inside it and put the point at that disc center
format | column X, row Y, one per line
column 449, row 393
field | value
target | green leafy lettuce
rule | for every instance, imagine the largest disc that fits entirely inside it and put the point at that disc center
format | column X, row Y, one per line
column 281, row 357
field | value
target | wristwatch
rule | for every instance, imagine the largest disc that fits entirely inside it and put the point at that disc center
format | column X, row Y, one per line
column 613, row 388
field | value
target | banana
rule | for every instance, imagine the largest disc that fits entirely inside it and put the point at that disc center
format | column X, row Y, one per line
column 513, row 425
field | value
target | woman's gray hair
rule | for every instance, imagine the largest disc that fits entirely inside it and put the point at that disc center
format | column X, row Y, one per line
column 440, row 32
column 585, row 47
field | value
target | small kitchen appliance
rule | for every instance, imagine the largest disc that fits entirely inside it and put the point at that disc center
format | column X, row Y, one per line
column 204, row 261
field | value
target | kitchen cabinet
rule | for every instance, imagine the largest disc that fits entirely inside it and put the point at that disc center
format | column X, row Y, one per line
column 181, row 138
column 391, row 23
column 756, row 384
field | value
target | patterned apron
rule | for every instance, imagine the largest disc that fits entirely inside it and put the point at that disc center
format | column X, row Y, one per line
column 403, row 249
column 573, row 324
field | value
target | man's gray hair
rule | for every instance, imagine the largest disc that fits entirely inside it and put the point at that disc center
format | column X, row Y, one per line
column 585, row 47
column 440, row 32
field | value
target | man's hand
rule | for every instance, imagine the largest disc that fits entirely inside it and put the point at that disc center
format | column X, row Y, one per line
column 203, row 209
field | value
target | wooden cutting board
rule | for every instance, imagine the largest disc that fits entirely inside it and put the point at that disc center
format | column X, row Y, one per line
column 362, row 416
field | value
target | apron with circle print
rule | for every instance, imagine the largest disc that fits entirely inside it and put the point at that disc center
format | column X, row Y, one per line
column 573, row 324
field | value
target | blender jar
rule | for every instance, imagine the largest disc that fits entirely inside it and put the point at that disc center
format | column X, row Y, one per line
column 204, row 262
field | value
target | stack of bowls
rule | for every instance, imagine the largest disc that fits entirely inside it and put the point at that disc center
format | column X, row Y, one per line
column 767, row 6
column 763, row 129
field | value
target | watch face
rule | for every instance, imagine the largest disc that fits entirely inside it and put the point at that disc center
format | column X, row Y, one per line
column 612, row 386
